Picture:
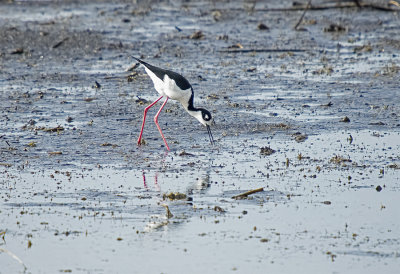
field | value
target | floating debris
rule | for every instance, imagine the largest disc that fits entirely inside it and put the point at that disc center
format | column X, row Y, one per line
column 175, row 196
column 345, row 119
column 184, row 153
column 219, row 209
column 327, row 105
column 364, row 48
column 15, row 257
column 132, row 76
column 223, row 37
column 197, row 35
column 266, row 151
column 299, row 137
column 169, row 214
column 17, row 51
column 53, row 129
column 236, row 46
column 54, row 152
column 201, row 78
column 338, row 160
column 142, row 101
column 247, row 193
column 377, row 123
column 350, row 139
column 89, row 99
column 213, row 97
column 262, row 26
column 216, row 15
column 335, row 28
column 324, row 70
column 106, row 145
column 56, row 45
column 96, row 85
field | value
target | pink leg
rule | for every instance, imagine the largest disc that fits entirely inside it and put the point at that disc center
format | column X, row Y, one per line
column 144, row 118
column 158, row 126
column 144, row 180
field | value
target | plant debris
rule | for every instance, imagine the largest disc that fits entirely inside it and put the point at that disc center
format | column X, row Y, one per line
column 266, row 151
column 299, row 137
column 197, row 35
column 184, row 153
column 175, row 196
column 52, row 129
column 168, row 212
column 335, row 28
column 219, row 209
column 345, row 119
column 339, row 160
column 17, row 51
column 247, row 193
column 262, row 26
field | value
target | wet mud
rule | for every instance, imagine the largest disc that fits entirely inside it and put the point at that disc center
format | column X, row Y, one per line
column 304, row 175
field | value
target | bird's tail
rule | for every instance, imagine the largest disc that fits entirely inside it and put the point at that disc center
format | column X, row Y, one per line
column 140, row 61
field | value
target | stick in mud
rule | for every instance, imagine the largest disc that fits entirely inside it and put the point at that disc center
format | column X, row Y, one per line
column 247, row 193
column 15, row 257
column 168, row 214
column 350, row 5
column 302, row 16
column 260, row 50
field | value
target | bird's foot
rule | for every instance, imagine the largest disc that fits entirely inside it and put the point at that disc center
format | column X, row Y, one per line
column 141, row 142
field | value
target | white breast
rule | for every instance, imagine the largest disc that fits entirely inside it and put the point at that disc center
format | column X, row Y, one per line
column 173, row 91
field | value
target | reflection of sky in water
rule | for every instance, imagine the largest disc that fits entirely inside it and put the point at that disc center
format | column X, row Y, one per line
column 291, row 221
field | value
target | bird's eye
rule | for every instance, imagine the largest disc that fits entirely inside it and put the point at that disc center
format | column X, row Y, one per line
column 206, row 116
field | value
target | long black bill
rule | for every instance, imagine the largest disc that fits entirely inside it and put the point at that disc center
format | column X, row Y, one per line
column 210, row 135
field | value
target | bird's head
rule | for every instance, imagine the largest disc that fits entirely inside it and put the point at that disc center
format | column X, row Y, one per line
column 203, row 115
column 205, row 118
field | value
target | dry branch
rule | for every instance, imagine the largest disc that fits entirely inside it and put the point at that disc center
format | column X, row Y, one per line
column 326, row 7
column 259, row 50
column 304, row 13
column 247, row 193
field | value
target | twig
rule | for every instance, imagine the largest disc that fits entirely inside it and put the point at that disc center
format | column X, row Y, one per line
column 260, row 50
column 314, row 8
column 302, row 16
column 168, row 214
column 15, row 257
column 247, row 193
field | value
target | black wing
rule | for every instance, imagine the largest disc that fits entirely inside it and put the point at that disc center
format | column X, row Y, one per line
column 181, row 81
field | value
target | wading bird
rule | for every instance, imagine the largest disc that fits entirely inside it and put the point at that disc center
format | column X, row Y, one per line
column 172, row 85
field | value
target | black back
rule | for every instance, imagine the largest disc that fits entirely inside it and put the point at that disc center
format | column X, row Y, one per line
column 180, row 81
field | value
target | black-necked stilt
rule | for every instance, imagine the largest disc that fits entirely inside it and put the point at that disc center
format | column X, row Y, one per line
column 173, row 85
